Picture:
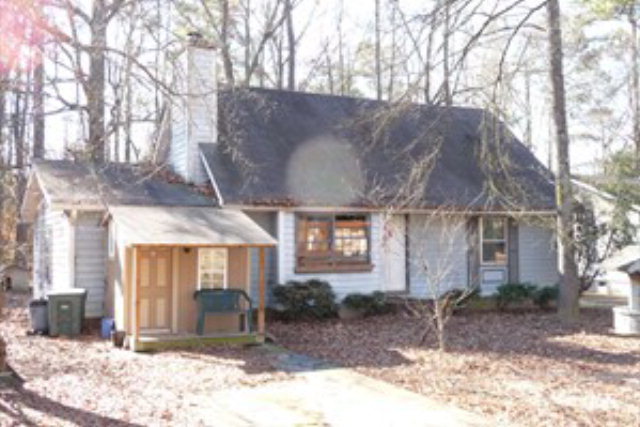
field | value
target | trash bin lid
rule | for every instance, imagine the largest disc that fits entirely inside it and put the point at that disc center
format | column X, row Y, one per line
column 67, row 292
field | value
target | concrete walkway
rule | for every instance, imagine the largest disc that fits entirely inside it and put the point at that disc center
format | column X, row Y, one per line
column 322, row 396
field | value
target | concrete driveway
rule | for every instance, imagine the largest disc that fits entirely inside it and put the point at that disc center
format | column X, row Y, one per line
column 333, row 397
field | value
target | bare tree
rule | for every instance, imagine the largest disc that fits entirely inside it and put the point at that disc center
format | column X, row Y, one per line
column 568, row 304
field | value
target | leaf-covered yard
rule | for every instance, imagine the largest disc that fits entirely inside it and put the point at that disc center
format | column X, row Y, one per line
column 88, row 382
column 522, row 369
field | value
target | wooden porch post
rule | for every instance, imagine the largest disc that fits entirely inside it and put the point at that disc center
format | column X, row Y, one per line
column 136, row 288
column 261, row 302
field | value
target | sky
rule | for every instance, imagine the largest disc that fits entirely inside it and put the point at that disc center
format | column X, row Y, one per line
column 357, row 24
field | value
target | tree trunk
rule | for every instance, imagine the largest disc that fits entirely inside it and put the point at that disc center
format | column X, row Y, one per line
column 427, row 67
column 378, row 59
column 392, row 53
column 17, row 125
column 568, row 307
column 446, row 88
column 96, row 82
column 291, row 44
column 128, row 112
column 528, row 133
column 38, row 106
column 224, row 38
column 635, row 84
column 2, row 120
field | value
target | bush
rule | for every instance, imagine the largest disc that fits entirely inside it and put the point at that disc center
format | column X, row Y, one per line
column 514, row 293
column 310, row 300
column 369, row 305
column 464, row 297
column 542, row 297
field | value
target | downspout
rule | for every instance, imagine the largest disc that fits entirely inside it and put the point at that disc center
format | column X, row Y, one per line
column 73, row 215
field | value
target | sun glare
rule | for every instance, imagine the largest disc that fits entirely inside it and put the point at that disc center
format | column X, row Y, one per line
column 20, row 34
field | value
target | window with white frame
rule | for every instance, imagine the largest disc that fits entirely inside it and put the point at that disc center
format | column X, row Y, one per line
column 494, row 240
column 212, row 268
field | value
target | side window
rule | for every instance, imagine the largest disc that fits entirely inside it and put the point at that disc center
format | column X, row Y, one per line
column 494, row 240
column 212, row 268
column 333, row 242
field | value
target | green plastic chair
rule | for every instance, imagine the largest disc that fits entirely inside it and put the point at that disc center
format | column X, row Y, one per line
column 221, row 302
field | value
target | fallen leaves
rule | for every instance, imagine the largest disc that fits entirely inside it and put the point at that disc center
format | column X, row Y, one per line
column 86, row 381
column 524, row 369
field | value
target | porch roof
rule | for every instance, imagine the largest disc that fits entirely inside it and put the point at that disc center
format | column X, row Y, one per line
column 187, row 226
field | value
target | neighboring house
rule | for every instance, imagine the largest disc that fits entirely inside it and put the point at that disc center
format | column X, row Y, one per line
column 612, row 281
column 14, row 277
column 360, row 193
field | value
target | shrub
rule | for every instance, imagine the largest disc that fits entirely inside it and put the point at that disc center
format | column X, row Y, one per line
column 514, row 293
column 542, row 297
column 370, row 305
column 463, row 297
column 310, row 300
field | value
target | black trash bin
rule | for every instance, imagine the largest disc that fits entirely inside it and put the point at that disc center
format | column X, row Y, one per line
column 39, row 316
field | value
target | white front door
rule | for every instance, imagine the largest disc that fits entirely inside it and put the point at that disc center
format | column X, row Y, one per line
column 394, row 241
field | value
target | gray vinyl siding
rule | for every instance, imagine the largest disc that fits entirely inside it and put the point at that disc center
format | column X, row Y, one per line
column 438, row 254
column 90, row 261
column 342, row 283
column 537, row 254
column 268, row 221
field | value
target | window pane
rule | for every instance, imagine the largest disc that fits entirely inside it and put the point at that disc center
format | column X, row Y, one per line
column 314, row 233
column 493, row 228
column 212, row 267
column 494, row 252
column 351, row 243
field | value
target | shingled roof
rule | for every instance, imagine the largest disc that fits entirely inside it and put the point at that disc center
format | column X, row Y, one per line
column 290, row 148
column 81, row 184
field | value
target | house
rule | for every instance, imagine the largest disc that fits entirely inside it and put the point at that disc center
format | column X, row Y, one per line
column 602, row 204
column 261, row 186
column 14, row 276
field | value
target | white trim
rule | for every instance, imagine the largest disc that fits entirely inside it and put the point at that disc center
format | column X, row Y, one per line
column 111, row 240
column 339, row 209
column 73, row 220
column 484, row 263
column 214, row 183
column 78, row 206
column 225, row 284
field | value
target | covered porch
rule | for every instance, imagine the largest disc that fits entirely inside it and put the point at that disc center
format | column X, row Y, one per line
column 189, row 280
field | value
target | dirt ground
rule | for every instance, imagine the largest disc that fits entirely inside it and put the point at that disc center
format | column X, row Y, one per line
column 88, row 382
column 518, row 369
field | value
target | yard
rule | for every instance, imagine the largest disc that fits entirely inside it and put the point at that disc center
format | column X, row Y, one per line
column 88, row 382
column 522, row 369
column 517, row 369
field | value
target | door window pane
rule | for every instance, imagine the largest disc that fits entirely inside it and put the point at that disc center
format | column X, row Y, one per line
column 494, row 240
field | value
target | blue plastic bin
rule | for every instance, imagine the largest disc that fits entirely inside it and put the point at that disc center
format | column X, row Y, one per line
column 108, row 325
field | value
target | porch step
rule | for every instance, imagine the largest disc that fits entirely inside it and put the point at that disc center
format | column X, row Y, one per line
column 147, row 343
